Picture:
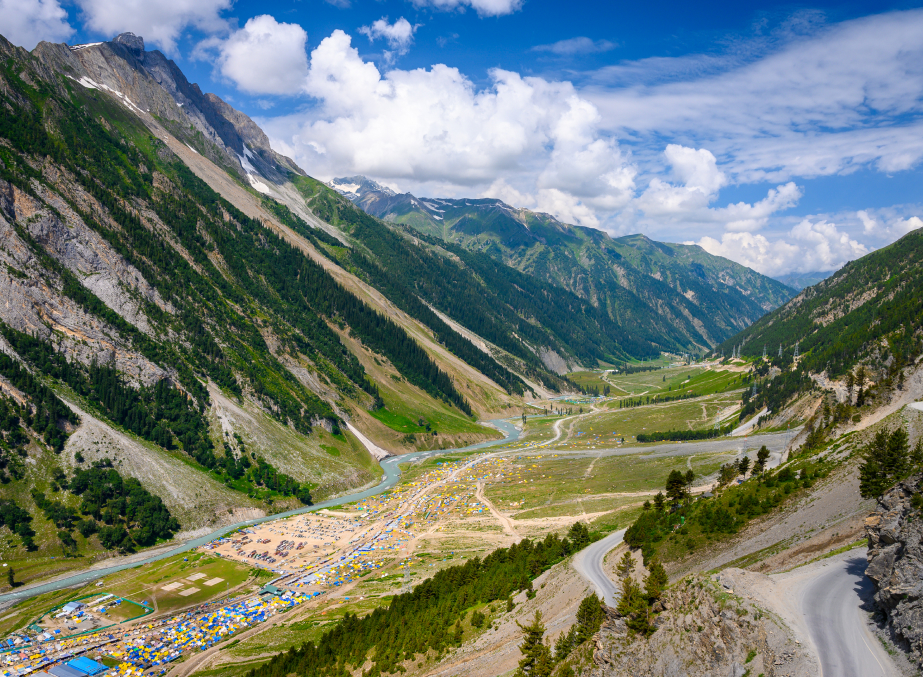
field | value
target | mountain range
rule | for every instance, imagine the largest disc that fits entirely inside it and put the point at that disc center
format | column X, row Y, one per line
column 689, row 298
column 205, row 329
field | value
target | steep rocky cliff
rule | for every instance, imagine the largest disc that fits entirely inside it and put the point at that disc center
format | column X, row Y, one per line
column 704, row 628
column 895, row 562
column 149, row 82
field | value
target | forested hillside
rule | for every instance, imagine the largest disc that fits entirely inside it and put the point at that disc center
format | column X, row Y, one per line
column 679, row 295
column 137, row 296
column 870, row 311
column 189, row 310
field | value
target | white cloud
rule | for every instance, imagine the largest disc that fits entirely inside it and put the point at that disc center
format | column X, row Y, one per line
column 809, row 246
column 28, row 22
column 887, row 229
column 701, row 179
column 746, row 217
column 398, row 35
column 263, row 57
column 482, row 7
column 572, row 46
column 566, row 207
column 827, row 100
column 696, row 168
column 160, row 22
column 840, row 97
column 501, row 190
column 908, row 225
column 432, row 125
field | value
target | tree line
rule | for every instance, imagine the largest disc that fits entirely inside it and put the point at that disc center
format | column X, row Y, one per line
column 685, row 435
column 120, row 510
column 425, row 619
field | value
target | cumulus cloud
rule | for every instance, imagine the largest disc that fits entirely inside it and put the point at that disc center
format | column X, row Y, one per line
column 823, row 100
column 398, row 35
column 574, row 46
column 263, row 57
column 482, row 7
column 696, row 168
column 502, row 190
column 749, row 217
column 159, row 22
column 435, row 125
column 28, row 22
column 887, row 229
column 700, row 180
column 807, row 247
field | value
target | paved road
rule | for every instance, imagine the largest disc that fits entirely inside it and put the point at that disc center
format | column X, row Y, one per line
column 748, row 426
column 831, row 601
column 589, row 564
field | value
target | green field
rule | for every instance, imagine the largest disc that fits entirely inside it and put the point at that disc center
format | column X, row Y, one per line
column 672, row 381
column 547, row 481
column 589, row 379
column 397, row 422
column 143, row 584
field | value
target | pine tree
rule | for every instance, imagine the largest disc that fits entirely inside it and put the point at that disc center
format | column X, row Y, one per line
column 658, row 501
column 887, row 460
column 656, row 581
column 536, row 656
column 633, row 607
column 743, row 465
column 590, row 616
column 676, row 487
column 565, row 644
column 762, row 457
column 626, row 565
column 11, row 577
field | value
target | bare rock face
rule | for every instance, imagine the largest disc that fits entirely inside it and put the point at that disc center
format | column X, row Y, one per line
column 703, row 630
column 31, row 300
column 152, row 83
column 895, row 562
column 133, row 42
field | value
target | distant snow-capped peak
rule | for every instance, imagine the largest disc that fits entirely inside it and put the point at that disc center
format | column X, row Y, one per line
column 355, row 187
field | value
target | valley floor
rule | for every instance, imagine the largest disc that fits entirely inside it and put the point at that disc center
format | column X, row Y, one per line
column 565, row 468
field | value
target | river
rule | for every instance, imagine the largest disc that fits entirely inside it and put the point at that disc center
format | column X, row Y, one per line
column 390, row 466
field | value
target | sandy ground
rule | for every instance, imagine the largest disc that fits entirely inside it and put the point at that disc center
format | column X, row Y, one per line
column 307, row 539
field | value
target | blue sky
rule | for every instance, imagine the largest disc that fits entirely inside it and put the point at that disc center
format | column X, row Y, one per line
column 785, row 136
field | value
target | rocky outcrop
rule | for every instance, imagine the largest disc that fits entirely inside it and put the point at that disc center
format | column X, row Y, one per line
column 895, row 562
column 702, row 629
column 152, row 83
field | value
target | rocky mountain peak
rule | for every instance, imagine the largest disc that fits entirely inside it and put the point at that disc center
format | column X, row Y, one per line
column 133, row 42
column 354, row 187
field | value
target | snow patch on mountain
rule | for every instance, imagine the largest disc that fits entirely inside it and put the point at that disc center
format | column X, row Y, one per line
column 252, row 173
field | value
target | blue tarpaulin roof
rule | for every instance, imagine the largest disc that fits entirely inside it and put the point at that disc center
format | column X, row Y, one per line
column 89, row 666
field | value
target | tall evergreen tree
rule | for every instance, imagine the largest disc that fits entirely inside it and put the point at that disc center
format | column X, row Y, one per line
column 676, row 487
column 656, row 581
column 886, row 460
column 536, row 656
column 590, row 616
column 633, row 607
